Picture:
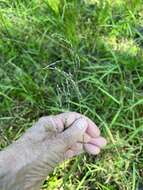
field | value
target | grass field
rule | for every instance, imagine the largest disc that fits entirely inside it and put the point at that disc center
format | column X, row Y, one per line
column 84, row 56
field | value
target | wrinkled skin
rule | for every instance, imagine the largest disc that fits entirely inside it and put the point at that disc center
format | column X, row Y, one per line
column 25, row 164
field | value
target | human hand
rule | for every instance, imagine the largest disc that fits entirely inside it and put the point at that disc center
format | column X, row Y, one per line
column 50, row 141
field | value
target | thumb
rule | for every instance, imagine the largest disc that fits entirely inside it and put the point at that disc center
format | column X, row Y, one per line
column 74, row 133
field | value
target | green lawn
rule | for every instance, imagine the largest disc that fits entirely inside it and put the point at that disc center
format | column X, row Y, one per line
column 84, row 56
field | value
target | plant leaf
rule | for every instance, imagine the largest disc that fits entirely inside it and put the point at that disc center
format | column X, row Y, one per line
column 54, row 4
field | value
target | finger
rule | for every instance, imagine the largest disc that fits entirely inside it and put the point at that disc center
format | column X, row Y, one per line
column 69, row 154
column 92, row 149
column 69, row 117
column 77, row 147
column 92, row 129
column 73, row 134
column 74, row 150
column 85, row 138
column 50, row 124
column 100, row 142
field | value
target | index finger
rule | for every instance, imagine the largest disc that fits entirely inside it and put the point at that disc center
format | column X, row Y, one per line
column 69, row 118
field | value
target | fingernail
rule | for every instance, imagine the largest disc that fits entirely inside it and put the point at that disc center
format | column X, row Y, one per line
column 81, row 123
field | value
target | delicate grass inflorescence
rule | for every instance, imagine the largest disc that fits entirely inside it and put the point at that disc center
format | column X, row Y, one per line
column 84, row 56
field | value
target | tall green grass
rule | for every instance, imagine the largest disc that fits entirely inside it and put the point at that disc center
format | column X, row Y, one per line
column 83, row 56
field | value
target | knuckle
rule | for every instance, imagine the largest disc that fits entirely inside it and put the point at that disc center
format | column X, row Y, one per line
column 47, row 122
column 44, row 118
